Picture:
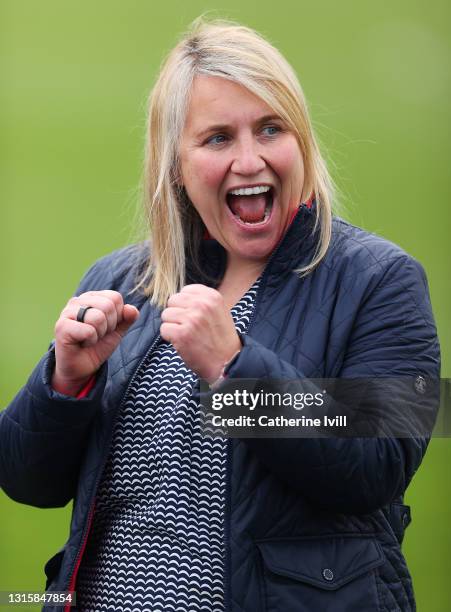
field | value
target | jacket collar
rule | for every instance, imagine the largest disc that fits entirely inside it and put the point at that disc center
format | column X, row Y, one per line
column 295, row 250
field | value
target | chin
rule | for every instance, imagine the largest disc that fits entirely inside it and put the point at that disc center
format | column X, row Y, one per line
column 256, row 253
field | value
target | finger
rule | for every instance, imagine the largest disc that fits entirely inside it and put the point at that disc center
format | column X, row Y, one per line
column 197, row 289
column 98, row 302
column 202, row 294
column 129, row 315
column 69, row 332
column 115, row 296
column 98, row 319
column 188, row 299
column 180, row 300
column 170, row 332
column 109, row 294
column 174, row 315
column 117, row 299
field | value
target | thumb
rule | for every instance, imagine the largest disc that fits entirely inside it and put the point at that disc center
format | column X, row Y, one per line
column 129, row 315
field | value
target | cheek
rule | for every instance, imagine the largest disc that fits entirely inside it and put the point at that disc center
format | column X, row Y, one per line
column 211, row 177
column 289, row 164
column 207, row 171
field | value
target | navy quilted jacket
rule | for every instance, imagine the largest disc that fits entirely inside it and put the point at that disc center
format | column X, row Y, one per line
column 311, row 524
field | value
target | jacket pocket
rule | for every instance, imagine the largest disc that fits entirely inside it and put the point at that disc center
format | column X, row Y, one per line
column 331, row 574
column 53, row 566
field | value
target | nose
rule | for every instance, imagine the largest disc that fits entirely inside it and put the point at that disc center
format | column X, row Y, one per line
column 247, row 158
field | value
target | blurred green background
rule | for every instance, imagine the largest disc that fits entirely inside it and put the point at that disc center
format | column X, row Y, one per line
column 75, row 77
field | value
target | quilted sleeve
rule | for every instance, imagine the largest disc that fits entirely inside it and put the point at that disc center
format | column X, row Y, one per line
column 43, row 434
column 393, row 335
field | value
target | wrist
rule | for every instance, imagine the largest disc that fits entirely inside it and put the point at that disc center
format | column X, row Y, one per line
column 222, row 375
column 69, row 387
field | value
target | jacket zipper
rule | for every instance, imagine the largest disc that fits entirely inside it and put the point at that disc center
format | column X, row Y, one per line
column 228, row 487
column 80, row 552
column 87, row 527
column 228, row 493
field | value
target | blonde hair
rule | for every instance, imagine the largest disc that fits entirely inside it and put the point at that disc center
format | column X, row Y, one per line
column 235, row 52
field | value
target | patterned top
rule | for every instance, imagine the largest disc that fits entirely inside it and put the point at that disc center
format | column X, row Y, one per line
column 157, row 538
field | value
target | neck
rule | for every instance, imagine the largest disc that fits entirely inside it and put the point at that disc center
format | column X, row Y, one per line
column 238, row 278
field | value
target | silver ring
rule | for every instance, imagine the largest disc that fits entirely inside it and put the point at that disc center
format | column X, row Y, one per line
column 81, row 313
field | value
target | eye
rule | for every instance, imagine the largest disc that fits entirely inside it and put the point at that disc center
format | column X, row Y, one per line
column 217, row 139
column 271, row 130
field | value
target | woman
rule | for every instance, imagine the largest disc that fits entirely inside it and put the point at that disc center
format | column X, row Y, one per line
column 248, row 276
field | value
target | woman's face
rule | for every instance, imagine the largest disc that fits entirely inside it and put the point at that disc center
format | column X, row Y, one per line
column 241, row 167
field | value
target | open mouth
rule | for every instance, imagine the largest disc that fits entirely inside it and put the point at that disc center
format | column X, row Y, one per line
column 251, row 205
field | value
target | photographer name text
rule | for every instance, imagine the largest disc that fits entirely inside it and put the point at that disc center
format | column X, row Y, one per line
column 278, row 421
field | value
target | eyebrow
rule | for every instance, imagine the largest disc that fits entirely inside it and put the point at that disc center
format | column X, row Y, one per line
column 220, row 127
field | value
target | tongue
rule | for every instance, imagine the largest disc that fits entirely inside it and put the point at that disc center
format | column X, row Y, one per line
column 248, row 208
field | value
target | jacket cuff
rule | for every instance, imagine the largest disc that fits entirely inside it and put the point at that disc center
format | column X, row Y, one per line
column 56, row 410
column 255, row 361
column 87, row 388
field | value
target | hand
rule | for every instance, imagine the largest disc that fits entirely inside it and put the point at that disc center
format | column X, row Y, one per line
column 81, row 348
column 200, row 327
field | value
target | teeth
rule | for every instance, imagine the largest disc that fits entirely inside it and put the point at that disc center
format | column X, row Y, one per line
column 250, row 190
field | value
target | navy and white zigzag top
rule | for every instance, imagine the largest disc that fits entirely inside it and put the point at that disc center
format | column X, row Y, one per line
column 157, row 538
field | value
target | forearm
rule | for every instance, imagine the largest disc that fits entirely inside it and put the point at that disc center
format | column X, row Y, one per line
column 43, row 435
column 352, row 474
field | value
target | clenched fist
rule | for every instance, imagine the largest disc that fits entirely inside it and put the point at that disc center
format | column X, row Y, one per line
column 81, row 348
column 200, row 327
